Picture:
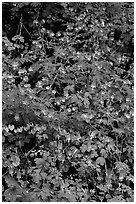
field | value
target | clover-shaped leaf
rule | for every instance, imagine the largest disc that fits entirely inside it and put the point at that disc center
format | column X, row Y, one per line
column 100, row 160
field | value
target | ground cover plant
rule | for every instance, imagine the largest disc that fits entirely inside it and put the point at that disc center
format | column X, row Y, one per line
column 67, row 102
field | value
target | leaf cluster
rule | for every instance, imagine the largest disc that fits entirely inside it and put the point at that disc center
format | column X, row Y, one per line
column 68, row 102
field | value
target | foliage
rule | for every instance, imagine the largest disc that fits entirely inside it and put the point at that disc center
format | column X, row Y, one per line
column 68, row 102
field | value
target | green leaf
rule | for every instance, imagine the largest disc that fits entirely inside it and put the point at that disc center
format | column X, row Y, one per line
column 87, row 117
column 39, row 161
column 104, row 153
column 15, row 160
column 74, row 98
column 94, row 154
column 45, row 192
column 11, row 127
column 86, row 103
column 83, row 148
column 11, row 182
column 100, row 160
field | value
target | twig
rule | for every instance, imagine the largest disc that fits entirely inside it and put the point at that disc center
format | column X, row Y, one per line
column 54, row 80
column 5, row 173
column 26, row 30
column 20, row 25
